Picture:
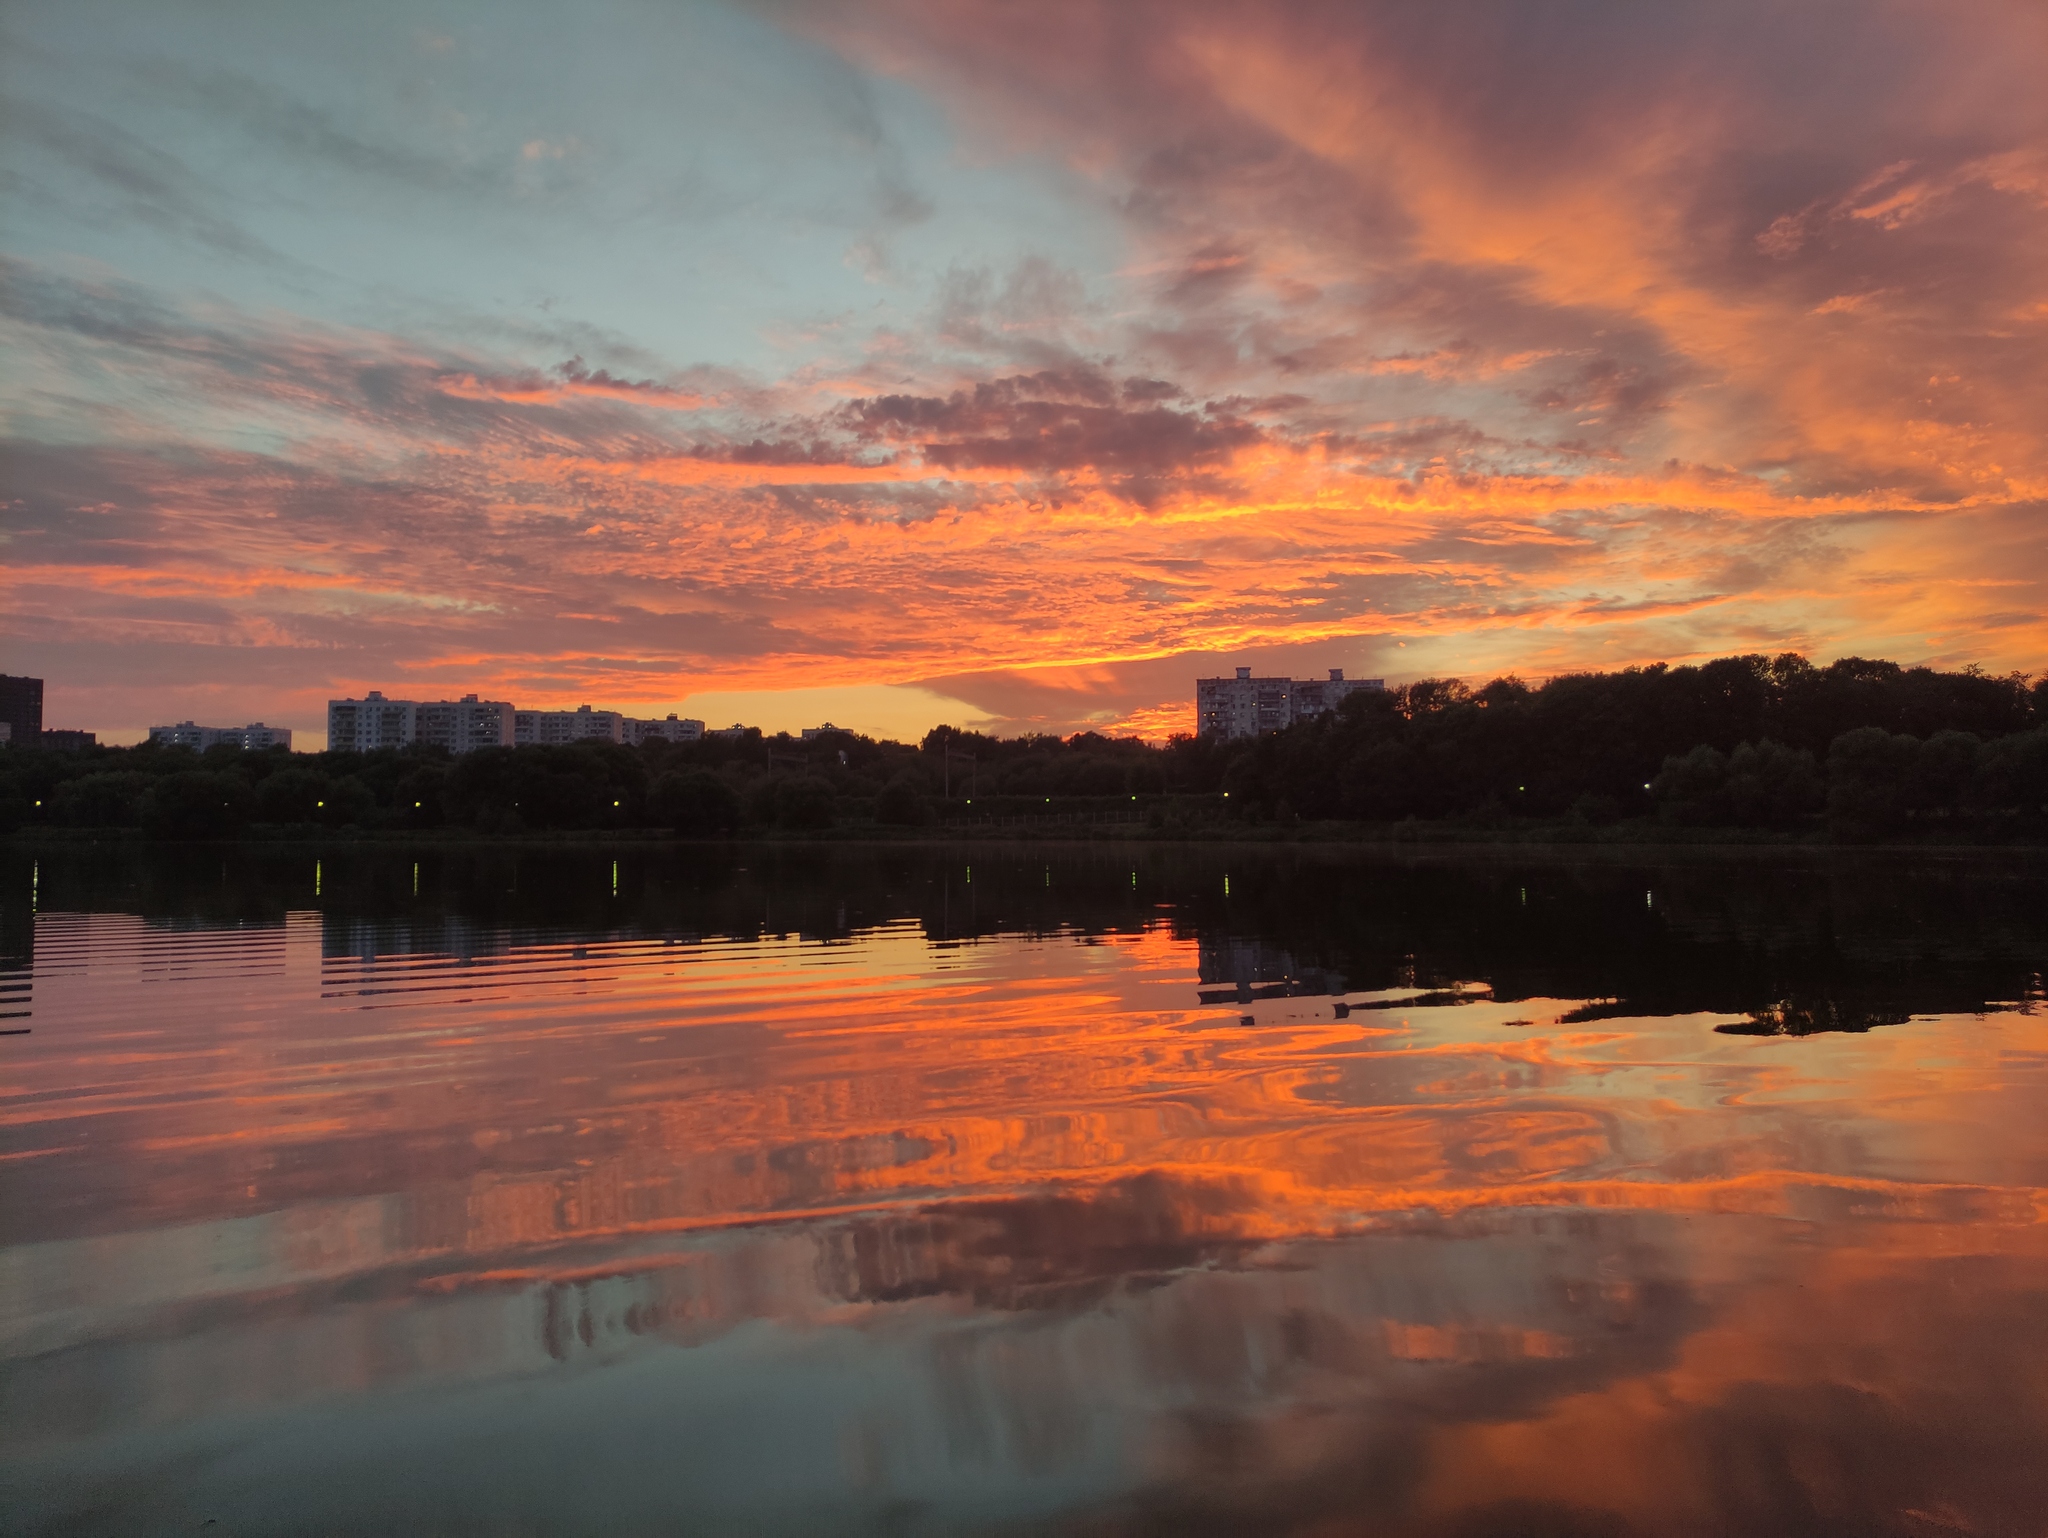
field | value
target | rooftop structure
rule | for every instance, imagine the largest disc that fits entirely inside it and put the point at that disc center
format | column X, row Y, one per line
column 1245, row 706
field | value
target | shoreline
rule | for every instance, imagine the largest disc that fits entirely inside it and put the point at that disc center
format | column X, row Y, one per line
column 1405, row 838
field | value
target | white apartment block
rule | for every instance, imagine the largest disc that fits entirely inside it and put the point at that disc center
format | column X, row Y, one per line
column 1245, row 706
column 372, row 722
column 460, row 726
column 464, row 725
column 255, row 736
column 557, row 727
column 669, row 730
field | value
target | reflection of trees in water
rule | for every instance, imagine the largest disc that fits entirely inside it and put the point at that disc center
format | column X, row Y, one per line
column 1809, row 1017
column 1793, row 939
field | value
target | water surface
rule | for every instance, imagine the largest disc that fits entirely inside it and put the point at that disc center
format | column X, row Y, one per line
column 814, row 1190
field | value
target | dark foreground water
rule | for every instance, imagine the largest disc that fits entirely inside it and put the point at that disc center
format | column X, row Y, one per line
column 815, row 1190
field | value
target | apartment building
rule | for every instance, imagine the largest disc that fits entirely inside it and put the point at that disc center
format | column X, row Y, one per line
column 372, row 722
column 1245, row 706
column 470, row 723
column 21, row 708
column 547, row 728
column 464, row 725
column 668, row 729
column 254, row 737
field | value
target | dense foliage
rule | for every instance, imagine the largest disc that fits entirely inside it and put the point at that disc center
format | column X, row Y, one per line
column 1866, row 748
column 1740, row 741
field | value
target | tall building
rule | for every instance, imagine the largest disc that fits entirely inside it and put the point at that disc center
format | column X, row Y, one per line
column 464, row 725
column 21, row 707
column 668, row 730
column 372, row 722
column 1245, row 706
column 255, row 736
column 555, row 727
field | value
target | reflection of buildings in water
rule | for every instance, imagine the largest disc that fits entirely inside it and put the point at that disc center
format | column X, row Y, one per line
column 1256, row 970
column 1129, row 1347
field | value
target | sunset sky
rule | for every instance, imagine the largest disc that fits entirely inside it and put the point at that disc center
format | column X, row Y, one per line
column 1007, row 364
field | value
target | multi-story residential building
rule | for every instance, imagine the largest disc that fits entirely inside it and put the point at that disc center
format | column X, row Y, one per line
column 555, row 727
column 1245, row 706
column 68, row 739
column 361, row 726
column 254, row 737
column 464, row 725
column 732, row 733
column 21, row 707
column 668, row 730
column 812, row 733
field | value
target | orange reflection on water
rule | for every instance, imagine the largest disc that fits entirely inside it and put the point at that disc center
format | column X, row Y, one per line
column 245, row 1173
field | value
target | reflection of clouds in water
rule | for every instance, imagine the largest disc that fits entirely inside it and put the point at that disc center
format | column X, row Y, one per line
column 1403, row 1377
column 663, row 1211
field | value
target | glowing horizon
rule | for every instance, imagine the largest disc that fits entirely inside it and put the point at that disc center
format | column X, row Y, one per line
column 867, row 361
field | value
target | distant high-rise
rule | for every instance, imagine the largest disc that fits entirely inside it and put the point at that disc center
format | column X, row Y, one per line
column 21, row 707
column 460, row 726
column 464, row 725
column 1245, row 706
column 372, row 722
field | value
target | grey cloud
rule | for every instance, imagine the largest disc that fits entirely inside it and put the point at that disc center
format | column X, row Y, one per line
column 142, row 181
column 278, row 121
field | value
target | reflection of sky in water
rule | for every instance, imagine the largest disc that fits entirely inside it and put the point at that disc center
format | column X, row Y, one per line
column 324, row 1219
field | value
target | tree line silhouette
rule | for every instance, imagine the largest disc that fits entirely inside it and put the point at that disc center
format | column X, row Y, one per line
column 1863, row 749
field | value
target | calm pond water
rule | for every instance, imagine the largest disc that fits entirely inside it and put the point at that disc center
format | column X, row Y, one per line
column 931, row 1191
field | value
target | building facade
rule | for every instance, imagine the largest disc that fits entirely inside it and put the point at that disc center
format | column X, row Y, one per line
column 464, row 725
column 470, row 723
column 667, row 730
column 372, row 722
column 1245, row 706
column 21, row 707
column 254, row 737
column 553, row 728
